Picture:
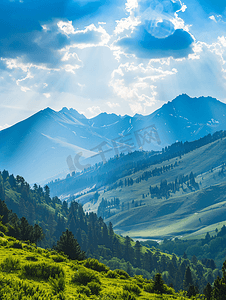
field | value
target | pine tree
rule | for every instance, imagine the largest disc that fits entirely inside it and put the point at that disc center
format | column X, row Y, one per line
column 208, row 291
column 69, row 245
column 138, row 254
column 188, row 281
column 158, row 284
column 128, row 250
column 37, row 233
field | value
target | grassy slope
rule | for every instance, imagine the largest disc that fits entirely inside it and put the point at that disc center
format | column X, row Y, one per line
column 184, row 212
column 110, row 288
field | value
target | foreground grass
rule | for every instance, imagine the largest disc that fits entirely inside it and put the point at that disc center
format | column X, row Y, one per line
column 28, row 272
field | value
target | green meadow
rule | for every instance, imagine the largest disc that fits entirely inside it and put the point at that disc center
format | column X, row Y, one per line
column 29, row 272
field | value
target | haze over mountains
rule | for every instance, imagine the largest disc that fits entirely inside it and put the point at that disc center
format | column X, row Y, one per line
column 46, row 144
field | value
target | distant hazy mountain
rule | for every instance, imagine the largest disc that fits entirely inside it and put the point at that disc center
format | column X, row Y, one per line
column 46, row 144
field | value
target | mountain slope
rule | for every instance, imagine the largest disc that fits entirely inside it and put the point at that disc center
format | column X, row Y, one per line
column 185, row 210
column 53, row 143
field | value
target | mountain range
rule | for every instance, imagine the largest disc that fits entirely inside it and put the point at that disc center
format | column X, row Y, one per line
column 51, row 144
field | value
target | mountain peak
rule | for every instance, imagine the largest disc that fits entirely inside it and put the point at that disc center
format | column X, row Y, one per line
column 73, row 112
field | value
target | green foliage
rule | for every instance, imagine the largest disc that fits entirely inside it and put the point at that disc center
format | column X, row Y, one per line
column 133, row 288
column 112, row 274
column 10, row 264
column 84, row 276
column 83, row 290
column 94, row 287
column 17, row 245
column 42, row 270
column 206, row 249
column 3, row 228
column 47, row 280
column 19, row 290
column 219, row 288
column 58, row 284
column 69, row 245
column 31, row 258
column 94, row 264
column 90, row 232
column 149, row 287
column 58, row 258
column 123, row 274
column 126, row 295
column 158, row 286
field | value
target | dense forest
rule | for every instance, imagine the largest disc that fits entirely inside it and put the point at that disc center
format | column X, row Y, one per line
column 96, row 239
column 211, row 247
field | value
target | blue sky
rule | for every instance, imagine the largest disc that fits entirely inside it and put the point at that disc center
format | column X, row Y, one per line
column 126, row 57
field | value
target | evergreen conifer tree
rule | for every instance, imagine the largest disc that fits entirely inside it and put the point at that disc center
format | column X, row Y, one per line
column 69, row 245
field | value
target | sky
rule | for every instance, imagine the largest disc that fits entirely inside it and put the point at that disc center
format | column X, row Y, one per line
column 114, row 56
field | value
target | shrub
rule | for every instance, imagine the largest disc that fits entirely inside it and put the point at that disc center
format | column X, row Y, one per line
column 3, row 242
column 112, row 274
column 42, row 270
column 83, row 276
column 127, row 296
column 17, row 245
column 58, row 284
column 84, row 290
column 122, row 274
column 39, row 250
column 15, row 289
column 131, row 287
column 31, row 258
column 149, row 288
column 94, row 264
column 58, row 258
column 60, row 296
column 94, row 287
column 10, row 264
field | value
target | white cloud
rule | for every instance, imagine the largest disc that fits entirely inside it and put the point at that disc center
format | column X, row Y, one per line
column 102, row 40
column 81, row 85
column 47, row 95
column 113, row 105
column 126, row 24
column 94, row 110
column 24, row 89
column 197, row 49
column 66, row 27
column 71, row 68
column 131, row 5
column 213, row 18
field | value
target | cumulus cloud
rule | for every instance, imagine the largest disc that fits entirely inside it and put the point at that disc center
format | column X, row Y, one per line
column 136, row 83
column 94, row 110
column 36, row 30
column 156, row 30
column 145, row 45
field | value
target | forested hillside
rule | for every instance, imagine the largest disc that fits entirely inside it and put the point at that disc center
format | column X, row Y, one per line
column 28, row 272
column 96, row 238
